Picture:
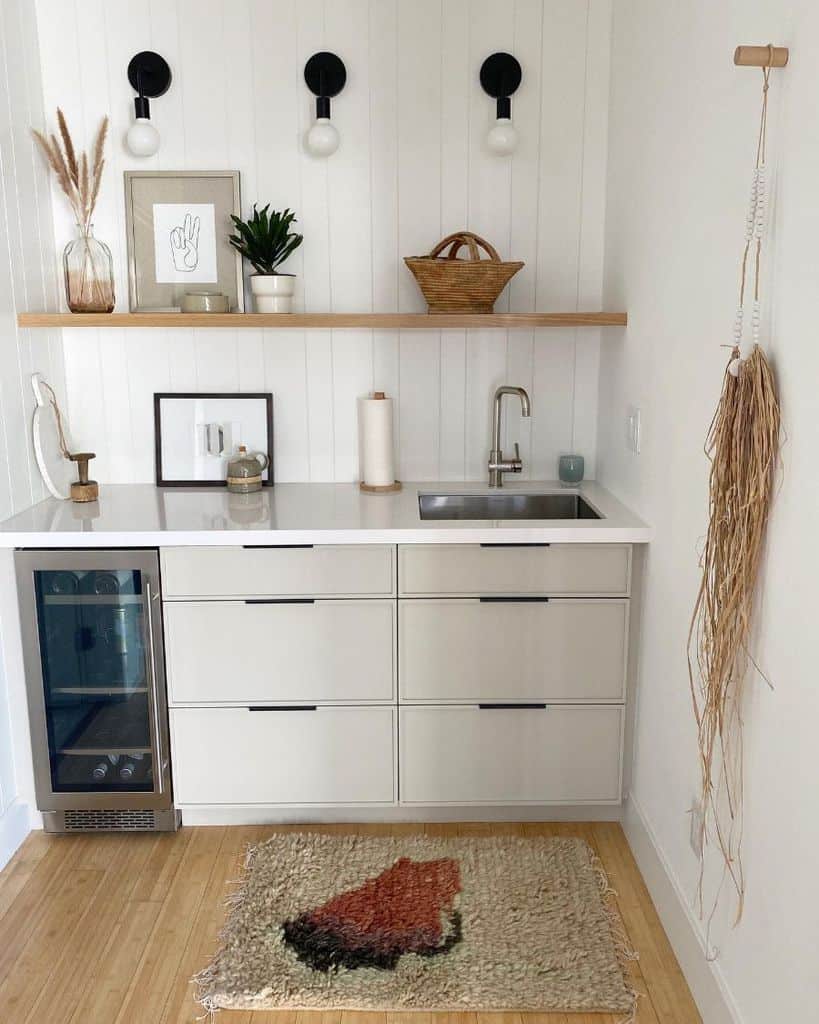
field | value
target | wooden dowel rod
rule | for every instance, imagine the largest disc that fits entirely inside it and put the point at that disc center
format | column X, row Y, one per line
column 760, row 56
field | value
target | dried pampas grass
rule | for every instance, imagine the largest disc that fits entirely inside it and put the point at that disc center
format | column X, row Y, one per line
column 743, row 444
column 79, row 178
column 88, row 281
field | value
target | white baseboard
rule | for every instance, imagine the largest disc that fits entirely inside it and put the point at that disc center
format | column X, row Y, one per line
column 705, row 979
column 259, row 814
column 14, row 827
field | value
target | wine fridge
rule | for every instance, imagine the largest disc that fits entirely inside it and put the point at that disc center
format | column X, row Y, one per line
column 95, row 677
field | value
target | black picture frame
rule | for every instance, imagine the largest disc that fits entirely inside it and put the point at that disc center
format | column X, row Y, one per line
column 265, row 396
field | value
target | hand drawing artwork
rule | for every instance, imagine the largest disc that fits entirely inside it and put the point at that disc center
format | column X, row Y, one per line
column 185, row 243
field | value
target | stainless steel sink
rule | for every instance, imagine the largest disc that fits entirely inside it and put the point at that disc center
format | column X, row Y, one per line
column 505, row 505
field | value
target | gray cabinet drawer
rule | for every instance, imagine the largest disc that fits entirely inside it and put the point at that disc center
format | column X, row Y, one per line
column 322, row 571
column 465, row 755
column 462, row 649
column 326, row 651
column 553, row 570
column 321, row 756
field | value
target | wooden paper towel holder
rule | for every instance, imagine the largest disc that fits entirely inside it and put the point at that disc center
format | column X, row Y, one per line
column 392, row 488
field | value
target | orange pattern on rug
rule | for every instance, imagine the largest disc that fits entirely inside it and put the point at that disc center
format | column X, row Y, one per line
column 408, row 908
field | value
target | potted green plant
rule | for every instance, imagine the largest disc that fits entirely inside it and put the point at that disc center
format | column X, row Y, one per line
column 265, row 241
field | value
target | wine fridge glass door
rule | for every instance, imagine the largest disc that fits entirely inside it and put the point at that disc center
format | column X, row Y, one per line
column 97, row 679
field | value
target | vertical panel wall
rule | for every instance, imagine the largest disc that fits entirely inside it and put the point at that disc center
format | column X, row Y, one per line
column 27, row 280
column 683, row 132
column 412, row 167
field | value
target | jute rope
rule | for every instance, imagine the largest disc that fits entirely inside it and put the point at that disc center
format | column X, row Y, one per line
column 761, row 146
column 743, row 446
column 66, row 454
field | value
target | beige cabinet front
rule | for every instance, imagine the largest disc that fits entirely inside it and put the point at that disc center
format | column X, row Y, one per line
column 371, row 674
column 232, row 652
column 466, row 755
column 461, row 650
column 475, row 570
column 326, row 570
column 242, row 756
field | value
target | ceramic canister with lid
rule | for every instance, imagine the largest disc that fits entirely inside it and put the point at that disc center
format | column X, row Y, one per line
column 244, row 471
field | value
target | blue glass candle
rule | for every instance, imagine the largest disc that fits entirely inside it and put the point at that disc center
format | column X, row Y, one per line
column 570, row 469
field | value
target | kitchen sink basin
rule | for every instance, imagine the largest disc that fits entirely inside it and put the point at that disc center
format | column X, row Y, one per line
column 505, row 505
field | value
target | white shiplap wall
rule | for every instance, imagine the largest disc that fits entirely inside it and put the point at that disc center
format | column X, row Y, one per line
column 27, row 280
column 411, row 168
column 27, row 269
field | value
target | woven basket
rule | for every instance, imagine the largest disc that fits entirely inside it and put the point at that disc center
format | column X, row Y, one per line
column 451, row 285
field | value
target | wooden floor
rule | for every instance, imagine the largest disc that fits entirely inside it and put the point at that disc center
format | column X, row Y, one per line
column 109, row 929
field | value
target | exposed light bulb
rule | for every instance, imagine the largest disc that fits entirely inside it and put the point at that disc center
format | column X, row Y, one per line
column 500, row 76
column 323, row 138
column 142, row 138
column 150, row 76
column 503, row 137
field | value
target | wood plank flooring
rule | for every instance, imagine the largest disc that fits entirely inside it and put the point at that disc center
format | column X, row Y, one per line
column 109, row 929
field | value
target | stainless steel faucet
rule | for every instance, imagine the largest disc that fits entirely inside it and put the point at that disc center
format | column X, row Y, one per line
column 498, row 465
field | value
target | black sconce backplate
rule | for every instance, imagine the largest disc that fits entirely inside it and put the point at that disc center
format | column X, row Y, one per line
column 325, row 74
column 149, row 74
column 501, row 74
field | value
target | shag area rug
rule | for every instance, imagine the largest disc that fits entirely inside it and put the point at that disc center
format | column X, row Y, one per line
column 361, row 922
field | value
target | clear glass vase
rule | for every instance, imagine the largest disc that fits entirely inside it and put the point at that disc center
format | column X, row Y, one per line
column 89, row 274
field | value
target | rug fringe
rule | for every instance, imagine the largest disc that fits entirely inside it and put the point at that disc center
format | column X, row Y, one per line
column 236, row 896
column 625, row 952
column 632, row 1017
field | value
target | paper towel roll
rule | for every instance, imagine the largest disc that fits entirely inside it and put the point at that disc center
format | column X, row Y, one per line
column 377, row 454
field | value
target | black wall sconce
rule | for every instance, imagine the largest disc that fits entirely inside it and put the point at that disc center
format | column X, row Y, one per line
column 501, row 74
column 325, row 76
column 150, row 77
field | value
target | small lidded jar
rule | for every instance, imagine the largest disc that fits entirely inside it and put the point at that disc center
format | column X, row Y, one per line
column 244, row 471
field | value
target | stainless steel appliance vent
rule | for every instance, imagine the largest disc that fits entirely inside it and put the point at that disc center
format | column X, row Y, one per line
column 110, row 821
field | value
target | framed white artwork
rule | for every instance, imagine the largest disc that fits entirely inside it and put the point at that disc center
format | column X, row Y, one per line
column 185, row 243
column 196, row 435
column 178, row 224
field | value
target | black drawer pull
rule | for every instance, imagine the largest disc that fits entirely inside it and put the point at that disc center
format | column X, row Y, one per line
column 280, row 600
column 257, row 547
column 283, row 707
column 514, row 600
column 512, row 707
column 535, row 545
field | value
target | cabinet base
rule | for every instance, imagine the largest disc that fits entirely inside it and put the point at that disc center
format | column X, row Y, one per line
column 259, row 814
column 98, row 820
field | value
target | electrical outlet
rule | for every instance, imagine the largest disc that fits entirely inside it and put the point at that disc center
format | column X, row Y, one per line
column 695, row 835
column 634, row 430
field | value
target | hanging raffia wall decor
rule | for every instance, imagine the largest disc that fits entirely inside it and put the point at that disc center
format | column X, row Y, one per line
column 743, row 446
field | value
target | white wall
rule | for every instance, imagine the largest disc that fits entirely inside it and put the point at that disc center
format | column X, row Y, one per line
column 411, row 168
column 27, row 281
column 682, row 130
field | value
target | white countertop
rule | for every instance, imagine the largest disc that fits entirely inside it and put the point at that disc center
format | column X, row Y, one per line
column 141, row 515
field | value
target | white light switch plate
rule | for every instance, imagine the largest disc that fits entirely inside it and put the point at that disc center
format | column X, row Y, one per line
column 634, row 430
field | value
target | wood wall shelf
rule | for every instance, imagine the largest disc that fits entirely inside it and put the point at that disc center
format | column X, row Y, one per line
column 300, row 321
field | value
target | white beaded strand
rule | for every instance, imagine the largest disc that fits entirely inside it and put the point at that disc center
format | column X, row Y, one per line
column 760, row 196
column 755, row 222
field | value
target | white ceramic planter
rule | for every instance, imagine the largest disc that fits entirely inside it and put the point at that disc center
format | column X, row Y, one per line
column 273, row 293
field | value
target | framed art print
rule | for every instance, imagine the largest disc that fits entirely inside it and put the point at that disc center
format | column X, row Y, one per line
column 178, row 224
column 197, row 434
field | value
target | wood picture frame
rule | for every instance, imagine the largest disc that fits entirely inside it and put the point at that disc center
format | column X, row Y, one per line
column 189, row 431
column 177, row 229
